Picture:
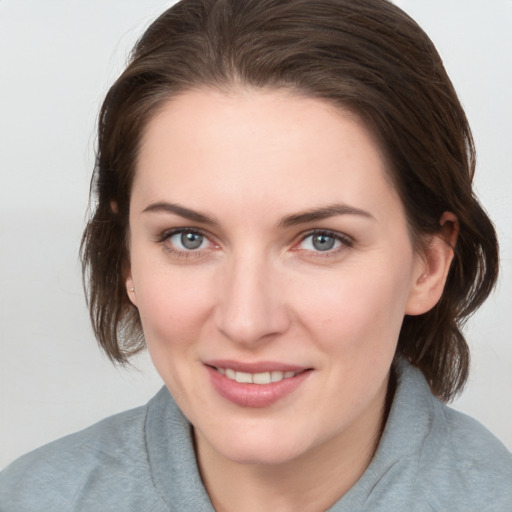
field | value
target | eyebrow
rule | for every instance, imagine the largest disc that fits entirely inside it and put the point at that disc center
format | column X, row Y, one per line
column 295, row 219
column 321, row 213
column 176, row 209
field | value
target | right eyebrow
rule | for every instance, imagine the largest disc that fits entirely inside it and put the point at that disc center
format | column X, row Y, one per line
column 176, row 209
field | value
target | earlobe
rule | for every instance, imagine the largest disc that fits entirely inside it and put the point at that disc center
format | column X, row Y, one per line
column 130, row 290
column 433, row 267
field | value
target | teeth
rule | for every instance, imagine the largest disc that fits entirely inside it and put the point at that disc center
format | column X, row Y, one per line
column 276, row 376
column 256, row 378
column 261, row 378
column 243, row 377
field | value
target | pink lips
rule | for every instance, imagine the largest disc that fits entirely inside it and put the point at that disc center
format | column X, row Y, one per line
column 254, row 395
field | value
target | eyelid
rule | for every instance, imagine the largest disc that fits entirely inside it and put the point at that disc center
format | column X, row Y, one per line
column 346, row 241
column 165, row 235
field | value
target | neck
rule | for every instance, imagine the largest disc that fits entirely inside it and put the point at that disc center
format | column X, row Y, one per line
column 311, row 482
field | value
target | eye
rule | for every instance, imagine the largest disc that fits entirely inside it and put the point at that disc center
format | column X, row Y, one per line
column 186, row 240
column 323, row 241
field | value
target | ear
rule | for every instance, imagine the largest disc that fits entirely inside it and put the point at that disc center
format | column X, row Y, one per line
column 130, row 289
column 433, row 266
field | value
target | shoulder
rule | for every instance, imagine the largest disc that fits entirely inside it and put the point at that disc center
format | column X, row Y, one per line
column 104, row 463
column 433, row 458
column 462, row 459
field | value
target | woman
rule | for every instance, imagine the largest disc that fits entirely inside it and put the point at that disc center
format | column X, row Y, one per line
column 285, row 219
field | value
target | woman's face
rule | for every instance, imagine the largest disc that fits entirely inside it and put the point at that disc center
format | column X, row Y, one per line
column 272, row 267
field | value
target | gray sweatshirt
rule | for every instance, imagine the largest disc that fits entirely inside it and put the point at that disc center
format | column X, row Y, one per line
column 430, row 458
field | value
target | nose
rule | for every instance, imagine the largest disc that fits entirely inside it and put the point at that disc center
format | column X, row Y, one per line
column 251, row 306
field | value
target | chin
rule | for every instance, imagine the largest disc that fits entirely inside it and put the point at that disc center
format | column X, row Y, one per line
column 259, row 448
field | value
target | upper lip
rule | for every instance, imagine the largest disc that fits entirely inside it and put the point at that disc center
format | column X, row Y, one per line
column 254, row 367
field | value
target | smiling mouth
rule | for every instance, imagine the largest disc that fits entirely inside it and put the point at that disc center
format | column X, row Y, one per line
column 255, row 385
column 256, row 378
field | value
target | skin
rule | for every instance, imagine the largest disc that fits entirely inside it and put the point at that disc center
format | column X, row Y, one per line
column 258, row 289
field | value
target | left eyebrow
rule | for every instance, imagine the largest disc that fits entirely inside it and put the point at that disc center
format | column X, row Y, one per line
column 321, row 213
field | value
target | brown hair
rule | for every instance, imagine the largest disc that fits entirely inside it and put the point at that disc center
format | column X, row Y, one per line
column 366, row 56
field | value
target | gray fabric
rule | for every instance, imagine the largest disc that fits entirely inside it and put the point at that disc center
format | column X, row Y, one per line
column 430, row 458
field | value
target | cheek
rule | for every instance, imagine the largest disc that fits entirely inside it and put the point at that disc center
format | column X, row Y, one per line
column 360, row 309
column 173, row 314
column 172, row 304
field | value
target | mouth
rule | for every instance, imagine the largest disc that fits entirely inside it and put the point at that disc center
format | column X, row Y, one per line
column 255, row 385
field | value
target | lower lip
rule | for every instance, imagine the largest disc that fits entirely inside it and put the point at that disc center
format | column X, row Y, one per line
column 254, row 395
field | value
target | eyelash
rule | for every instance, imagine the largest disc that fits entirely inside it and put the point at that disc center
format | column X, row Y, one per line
column 182, row 253
column 345, row 241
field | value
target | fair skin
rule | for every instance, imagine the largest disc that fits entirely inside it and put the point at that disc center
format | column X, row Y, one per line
column 265, row 236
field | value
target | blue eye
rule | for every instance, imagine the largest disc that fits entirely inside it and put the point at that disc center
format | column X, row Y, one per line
column 322, row 241
column 188, row 240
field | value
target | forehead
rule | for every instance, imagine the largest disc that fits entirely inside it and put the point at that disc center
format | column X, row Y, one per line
column 275, row 148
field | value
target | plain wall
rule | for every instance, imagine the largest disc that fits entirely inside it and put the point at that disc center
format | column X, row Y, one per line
column 57, row 59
